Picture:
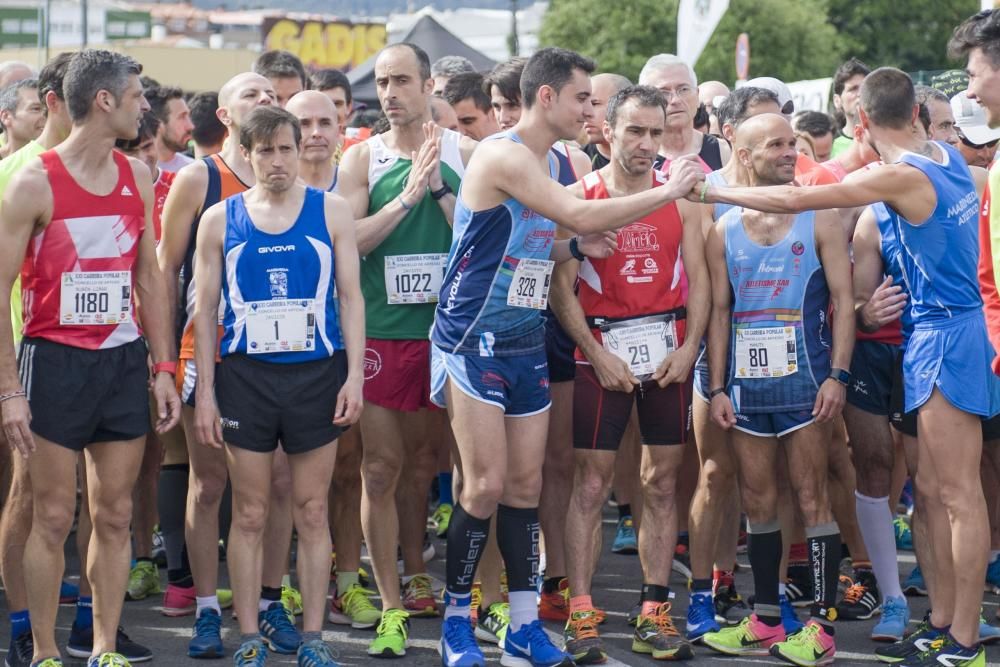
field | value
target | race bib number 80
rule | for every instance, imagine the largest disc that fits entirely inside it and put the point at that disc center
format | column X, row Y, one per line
column 88, row 298
column 281, row 325
column 767, row 352
column 529, row 287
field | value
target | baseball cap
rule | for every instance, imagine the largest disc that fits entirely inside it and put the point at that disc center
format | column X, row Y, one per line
column 971, row 120
column 778, row 88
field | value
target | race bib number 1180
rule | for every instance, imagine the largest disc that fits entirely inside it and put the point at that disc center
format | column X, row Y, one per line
column 88, row 298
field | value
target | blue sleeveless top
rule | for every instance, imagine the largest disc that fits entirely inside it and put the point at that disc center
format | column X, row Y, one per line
column 778, row 290
column 278, row 289
column 892, row 262
column 472, row 315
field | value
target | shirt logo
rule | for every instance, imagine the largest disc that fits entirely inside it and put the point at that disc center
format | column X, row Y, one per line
column 277, row 280
column 126, row 192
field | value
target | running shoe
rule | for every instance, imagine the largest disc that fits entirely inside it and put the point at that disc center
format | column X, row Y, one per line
column 180, row 600
column 682, row 561
column 626, row 541
column 920, row 640
column 458, row 647
column 988, row 634
column 81, row 645
column 632, row 617
column 944, row 652
column 730, row 608
column 315, row 653
column 904, row 536
column 48, row 662
column 291, row 600
column 656, row 635
column 251, row 654
column 993, row 575
column 751, row 637
column 277, row 631
column 418, row 596
column 861, row 599
column 21, row 650
column 143, row 581
column 391, row 635
column 531, row 647
column 492, row 626
column 700, row 617
column 809, row 647
column 790, row 620
column 798, row 586
column 914, row 584
column 354, row 608
column 206, row 639
column 895, row 619
column 69, row 592
column 554, row 606
column 581, row 639
column 108, row 660
column 442, row 519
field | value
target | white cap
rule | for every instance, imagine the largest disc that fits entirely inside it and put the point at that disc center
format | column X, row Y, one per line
column 971, row 120
column 778, row 88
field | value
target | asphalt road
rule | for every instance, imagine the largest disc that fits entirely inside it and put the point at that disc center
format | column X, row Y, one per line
column 616, row 589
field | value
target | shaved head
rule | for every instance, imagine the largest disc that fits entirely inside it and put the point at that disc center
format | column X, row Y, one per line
column 757, row 128
column 313, row 100
column 614, row 82
column 765, row 146
column 231, row 89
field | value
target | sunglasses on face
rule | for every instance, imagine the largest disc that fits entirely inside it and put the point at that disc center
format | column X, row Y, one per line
column 974, row 146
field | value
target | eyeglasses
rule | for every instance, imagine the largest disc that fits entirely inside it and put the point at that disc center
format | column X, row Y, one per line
column 974, row 146
column 679, row 92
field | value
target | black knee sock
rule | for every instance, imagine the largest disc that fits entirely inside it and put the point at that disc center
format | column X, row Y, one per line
column 466, row 540
column 823, row 544
column 764, row 550
column 517, row 536
column 171, row 499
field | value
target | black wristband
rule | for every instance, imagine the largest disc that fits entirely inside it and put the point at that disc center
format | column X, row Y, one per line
column 438, row 194
column 715, row 392
column 574, row 248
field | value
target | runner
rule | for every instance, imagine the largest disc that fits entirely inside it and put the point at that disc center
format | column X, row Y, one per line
column 488, row 363
column 22, row 115
column 846, row 89
column 101, row 406
column 285, row 72
column 404, row 209
column 604, row 87
column 174, row 131
column 288, row 250
column 634, row 348
column 334, row 84
column 929, row 183
column 766, row 399
column 464, row 92
column 209, row 133
column 446, row 67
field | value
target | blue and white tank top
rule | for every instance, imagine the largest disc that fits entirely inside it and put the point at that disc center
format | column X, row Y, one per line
column 779, row 343
column 278, row 289
column 473, row 316
column 892, row 261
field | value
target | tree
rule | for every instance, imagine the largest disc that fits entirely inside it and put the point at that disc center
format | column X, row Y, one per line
column 911, row 35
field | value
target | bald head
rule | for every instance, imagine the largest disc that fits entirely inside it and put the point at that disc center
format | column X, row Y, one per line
column 443, row 113
column 765, row 145
column 317, row 117
column 232, row 89
column 603, row 88
column 241, row 95
column 13, row 71
column 312, row 101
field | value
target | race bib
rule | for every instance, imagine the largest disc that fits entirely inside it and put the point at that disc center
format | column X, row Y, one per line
column 414, row 278
column 89, row 298
column 530, row 286
column 281, row 325
column 642, row 346
column 767, row 352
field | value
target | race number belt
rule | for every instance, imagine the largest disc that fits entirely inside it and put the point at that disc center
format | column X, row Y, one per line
column 765, row 352
column 530, row 286
column 414, row 278
column 89, row 298
column 281, row 325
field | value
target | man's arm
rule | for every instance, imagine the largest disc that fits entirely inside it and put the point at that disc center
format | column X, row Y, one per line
column 876, row 301
column 466, row 147
column 27, row 201
column 340, row 224
column 183, row 204
column 831, row 245
column 718, row 326
column 208, row 290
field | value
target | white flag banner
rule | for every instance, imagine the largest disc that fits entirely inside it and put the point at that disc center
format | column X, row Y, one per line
column 696, row 21
column 811, row 94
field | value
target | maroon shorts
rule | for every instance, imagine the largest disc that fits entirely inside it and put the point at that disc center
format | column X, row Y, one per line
column 398, row 374
column 600, row 416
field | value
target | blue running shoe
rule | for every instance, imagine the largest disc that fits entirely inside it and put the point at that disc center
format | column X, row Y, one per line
column 904, row 536
column 206, row 642
column 458, row 647
column 988, row 634
column 625, row 539
column 914, row 584
column 789, row 619
column 993, row 574
column 531, row 647
column 251, row 654
column 895, row 618
column 69, row 593
column 700, row 617
column 277, row 631
column 315, row 653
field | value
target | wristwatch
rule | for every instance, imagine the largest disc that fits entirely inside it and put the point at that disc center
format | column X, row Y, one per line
column 840, row 375
column 574, row 249
column 715, row 392
column 444, row 190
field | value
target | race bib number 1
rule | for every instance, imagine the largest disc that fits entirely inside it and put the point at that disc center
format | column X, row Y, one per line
column 89, row 298
column 767, row 352
column 530, row 286
column 414, row 278
column 281, row 325
column 643, row 346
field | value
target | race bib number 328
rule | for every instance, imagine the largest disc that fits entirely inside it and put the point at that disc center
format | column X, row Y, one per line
column 89, row 298
column 529, row 288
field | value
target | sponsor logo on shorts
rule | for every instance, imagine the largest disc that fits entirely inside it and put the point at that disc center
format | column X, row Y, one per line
column 373, row 363
column 742, row 418
column 860, row 387
column 491, row 379
column 231, row 424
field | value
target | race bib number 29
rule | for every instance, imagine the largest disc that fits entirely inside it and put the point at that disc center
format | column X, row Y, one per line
column 529, row 287
column 88, row 298
column 766, row 352
column 643, row 346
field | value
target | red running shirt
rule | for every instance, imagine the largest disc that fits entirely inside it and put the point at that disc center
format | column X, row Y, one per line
column 77, row 279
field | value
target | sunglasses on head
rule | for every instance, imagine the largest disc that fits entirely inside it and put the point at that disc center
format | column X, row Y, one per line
column 974, row 146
